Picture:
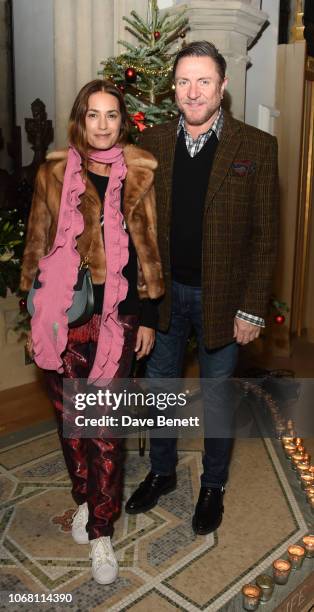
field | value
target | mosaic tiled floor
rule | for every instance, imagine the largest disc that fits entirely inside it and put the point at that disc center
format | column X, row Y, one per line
column 163, row 565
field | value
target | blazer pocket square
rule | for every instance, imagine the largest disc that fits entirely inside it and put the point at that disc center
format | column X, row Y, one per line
column 243, row 167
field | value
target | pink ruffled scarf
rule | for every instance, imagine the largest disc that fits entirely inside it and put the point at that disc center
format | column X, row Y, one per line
column 59, row 270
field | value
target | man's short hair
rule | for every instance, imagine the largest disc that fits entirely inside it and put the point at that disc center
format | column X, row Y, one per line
column 202, row 48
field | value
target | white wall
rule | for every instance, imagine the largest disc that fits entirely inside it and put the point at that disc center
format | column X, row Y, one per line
column 33, row 61
column 261, row 76
column 163, row 4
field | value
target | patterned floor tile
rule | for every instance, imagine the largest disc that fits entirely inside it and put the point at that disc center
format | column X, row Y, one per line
column 163, row 565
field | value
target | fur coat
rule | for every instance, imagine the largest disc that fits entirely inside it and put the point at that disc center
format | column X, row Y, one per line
column 139, row 210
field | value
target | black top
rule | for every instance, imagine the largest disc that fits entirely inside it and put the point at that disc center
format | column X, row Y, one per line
column 189, row 186
column 146, row 309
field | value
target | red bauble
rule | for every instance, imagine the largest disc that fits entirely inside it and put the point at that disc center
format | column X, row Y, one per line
column 279, row 319
column 130, row 75
column 22, row 305
column 157, row 35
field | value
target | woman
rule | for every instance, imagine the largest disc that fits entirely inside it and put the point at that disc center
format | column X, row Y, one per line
column 68, row 224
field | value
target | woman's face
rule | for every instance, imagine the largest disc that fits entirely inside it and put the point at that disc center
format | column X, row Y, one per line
column 103, row 120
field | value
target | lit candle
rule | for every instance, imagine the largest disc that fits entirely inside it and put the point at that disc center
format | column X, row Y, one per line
column 302, row 468
column 296, row 555
column 311, row 469
column 308, row 542
column 300, row 448
column 307, row 458
column 286, row 440
column 289, row 449
column 280, row 428
column 281, row 571
column 266, row 584
column 309, row 491
column 307, row 480
column 251, row 596
column 296, row 458
column 298, row 441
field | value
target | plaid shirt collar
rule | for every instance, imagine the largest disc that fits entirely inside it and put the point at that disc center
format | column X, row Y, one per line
column 194, row 146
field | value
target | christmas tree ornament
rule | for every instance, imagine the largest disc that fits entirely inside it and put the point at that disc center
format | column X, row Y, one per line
column 157, row 35
column 130, row 75
column 279, row 319
column 121, row 87
column 138, row 120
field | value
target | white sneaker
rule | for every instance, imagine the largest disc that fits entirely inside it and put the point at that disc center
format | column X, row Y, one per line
column 79, row 520
column 104, row 564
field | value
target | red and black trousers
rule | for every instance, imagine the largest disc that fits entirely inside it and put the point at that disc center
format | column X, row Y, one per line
column 95, row 465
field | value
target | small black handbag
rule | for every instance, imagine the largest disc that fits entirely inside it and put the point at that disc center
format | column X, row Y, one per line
column 82, row 308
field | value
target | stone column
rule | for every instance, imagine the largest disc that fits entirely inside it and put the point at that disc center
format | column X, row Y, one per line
column 231, row 25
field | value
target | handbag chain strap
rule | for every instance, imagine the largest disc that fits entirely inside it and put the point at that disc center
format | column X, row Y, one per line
column 85, row 260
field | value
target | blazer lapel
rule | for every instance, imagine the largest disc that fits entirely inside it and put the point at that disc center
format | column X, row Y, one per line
column 225, row 154
column 169, row 139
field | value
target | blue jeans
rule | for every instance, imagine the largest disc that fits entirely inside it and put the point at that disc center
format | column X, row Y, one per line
column 166, row 361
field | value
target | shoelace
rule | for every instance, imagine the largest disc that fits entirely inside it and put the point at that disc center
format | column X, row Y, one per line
column 102, row 552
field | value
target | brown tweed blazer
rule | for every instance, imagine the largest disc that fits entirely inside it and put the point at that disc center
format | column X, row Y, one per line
column 239, row 225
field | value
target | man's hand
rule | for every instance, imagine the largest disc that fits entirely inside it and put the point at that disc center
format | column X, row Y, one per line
column 244, row 332
column 144, row 341
column 29, row 345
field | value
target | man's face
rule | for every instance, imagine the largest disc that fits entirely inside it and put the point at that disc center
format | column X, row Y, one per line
column 199, row 90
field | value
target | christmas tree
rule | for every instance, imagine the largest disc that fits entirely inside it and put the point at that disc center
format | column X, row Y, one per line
column 144, row 72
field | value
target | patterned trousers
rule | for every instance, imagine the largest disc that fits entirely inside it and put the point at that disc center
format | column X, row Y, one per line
column 95, row 466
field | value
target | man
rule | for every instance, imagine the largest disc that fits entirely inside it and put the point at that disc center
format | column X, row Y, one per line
column 217, row 197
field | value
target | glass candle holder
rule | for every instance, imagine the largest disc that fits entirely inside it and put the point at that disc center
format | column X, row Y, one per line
column 308, row 543
column 307, row 458
column 302, row 468
column 289, row 449
column 307, row 480
column 296, row 555
column 266, row 584
column 296, row 458
column 280, row 429
column 251, row 594
column 300, row 448
column 309, row 491
column 298, row 441
column 281, row 571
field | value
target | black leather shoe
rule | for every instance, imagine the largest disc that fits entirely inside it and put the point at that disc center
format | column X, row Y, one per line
column 147, row 494
column 208, row 511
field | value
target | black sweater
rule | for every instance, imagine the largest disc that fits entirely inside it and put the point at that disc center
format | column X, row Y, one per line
column 189, row 186
column 145, row 309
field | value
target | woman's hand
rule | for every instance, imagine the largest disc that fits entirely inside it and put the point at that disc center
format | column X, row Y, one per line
column 144, row 341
